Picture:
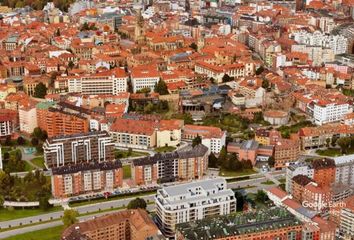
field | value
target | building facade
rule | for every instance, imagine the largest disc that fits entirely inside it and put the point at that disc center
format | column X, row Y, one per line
column 192, row 201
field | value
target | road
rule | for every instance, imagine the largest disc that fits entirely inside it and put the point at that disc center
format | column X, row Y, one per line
column 82, row 210
column 55, row 223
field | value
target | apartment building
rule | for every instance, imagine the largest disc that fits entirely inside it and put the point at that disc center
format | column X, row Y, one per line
column 345, row 170
column 315, row 197
column 78, row 148
column 346, row 226
column 326, row 111
column 27, row 116
column 337, row 43
column 133, row 224
column 315, row 137
column 217, row 72
column 6, row 126
column 142, row 78
column 183, row 165
column 301, row 168
column 192, row 201
column 62, row 118
column 110, row 82
column 250, row 150
column 286, row 151
column 212, row 137
column 86, row 178
column 275, row 223
column 251, row 89
column 324, row 172
column 146, row 134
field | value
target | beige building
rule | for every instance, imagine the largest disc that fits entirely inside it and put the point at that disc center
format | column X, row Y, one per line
column 28, row 116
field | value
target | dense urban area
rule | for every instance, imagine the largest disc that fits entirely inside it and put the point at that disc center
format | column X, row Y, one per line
column 177, row 119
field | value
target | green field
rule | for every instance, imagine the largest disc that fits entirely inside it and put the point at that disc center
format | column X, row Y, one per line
column 38, row 161
column 126, row 154
column 227, row 173
column 127, row 171
column 45, row 234
column 6, row 214
column 268, row 182
column 333, row 152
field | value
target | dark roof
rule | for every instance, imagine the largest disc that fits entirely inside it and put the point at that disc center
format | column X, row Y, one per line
column 78, row 135
column 302, row 180
column 198, row 151
column 109, row 165
column 323, row 163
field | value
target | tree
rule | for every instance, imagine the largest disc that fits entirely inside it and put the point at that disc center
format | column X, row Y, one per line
column 37, row 133
column 40, row 90
column 212, row 161
column 234, row 163
column 328, row 141
column 226, row 78
column 18, row 155
column 196, row 141
column 222, row 160
column 240, row 201
column 271, row 161
column 334, row 141
column 58, row 32
column 34, row 141
column 144, row 90
column 344, row 144
column 8, row 141
column 259, row 70
column 161, row 88
column 194, row 46
column 265, row 84
column 261, row 196
column 6, row 155
column 21, row 140
column 2, row 200
column 70, row 217
column 44, row 202
column 137, row 203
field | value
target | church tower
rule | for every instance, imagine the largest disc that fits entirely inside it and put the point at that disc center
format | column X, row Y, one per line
column 139, row 35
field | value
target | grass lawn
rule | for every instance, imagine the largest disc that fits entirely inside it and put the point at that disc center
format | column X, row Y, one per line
column 28, row 167
column 38, row 161
column 333, row 152
column 127, row 171
column 268, row 182
column 125, row 154
column 226, row 173
column 282, row 180
column 6, row 214
column 45, row 234
column 165, row 149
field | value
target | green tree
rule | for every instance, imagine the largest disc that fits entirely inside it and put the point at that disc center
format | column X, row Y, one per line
column 71, row 64
column 21, row 140
column 334, row 141
column 58, row 32
column 194, row 46
column 44, row 202
column 161, row 88
column 144, row 90
column 37, row 133
column 233, row 163
column 34, row 142
column 328, row 141
column 2, row 200
column 8, row 141
column 227, row 78
column 70, row 217
column 222, row 159
column 196, row 141
column 265, row 84
column 40, row 90
column 240, row 201
column 344, row 144
column 6, row 156
column 271, row 161
column 261, row 196
column 18, row 155
column 137, row 203
column 259, row 70
column 212, row 161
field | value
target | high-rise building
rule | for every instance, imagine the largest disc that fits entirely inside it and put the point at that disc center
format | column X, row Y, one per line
column 192, row 201
column 78, row 148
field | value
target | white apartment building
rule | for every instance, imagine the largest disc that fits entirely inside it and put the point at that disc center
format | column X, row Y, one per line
column 144, row 78
column 192, row 201
column 327, row 112
column 301, row 168
column 317, row 54
column 338, row 43
column 27, row 119
column 110, row 82
column 345, row 169
column 212, row 137
column 346, row 227
column 6, row 127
